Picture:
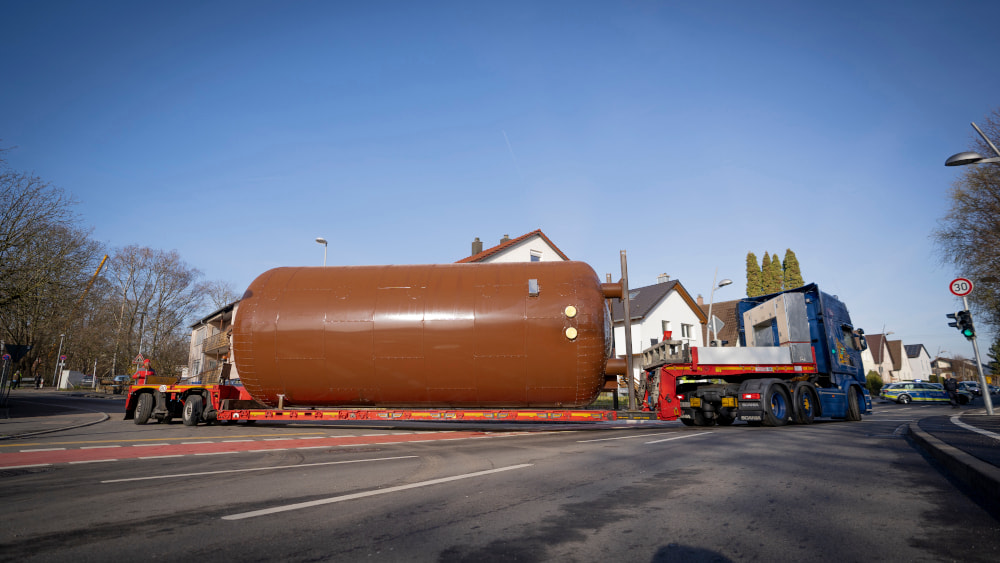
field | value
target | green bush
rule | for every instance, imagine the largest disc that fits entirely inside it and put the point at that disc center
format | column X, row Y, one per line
column 874, row 381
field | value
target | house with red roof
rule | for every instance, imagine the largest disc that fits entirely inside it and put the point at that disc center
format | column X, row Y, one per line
column 530, row 247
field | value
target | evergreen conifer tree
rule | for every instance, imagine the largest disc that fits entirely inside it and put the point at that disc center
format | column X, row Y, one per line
column 766, row 274
column 994, row 356
column 793, row 276
column 777, row 277
column 753, row 276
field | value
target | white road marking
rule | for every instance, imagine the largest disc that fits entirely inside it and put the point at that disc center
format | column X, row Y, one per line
column 26, row 466
column 312, row 447
column 91, row 461
column 44, row 450
column 331, row 500
column 252, row 469
column 955, row 420
column 619, row 438
column 234, row 441
column 195, row 443
column 216, row 453
column 312, row 438
column 161, row 456
column 97, row 447
column 147, row 445
column 679, row 437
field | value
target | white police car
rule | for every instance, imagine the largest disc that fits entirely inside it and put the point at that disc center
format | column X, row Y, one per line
column 920, row 392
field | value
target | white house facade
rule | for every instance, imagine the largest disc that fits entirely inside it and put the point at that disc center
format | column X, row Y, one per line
column 920, row 361
column 655, row 309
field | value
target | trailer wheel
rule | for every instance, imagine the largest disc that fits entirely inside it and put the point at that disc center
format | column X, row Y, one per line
column 805, row 404
column 192, row 410
column 777, row 406
column 699, row 418
column 143, row 409
column 724, row 419
column 853, row 408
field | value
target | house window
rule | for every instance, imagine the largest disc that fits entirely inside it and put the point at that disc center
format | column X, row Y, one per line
column 686, row 330
column 536, row 256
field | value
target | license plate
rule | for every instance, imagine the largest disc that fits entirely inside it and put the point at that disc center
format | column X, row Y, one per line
column 695, row 402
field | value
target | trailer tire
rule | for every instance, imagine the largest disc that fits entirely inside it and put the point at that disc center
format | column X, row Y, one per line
column 853, row 407
column 699, row 418
column 724, row 419
column 143, row 408
column 777, row 406
column 192, row 410
column 805, row 404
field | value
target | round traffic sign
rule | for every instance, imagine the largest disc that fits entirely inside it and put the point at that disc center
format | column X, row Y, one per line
column 960, row 287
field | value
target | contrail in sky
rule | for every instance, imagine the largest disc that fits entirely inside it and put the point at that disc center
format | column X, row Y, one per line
column 512, row 156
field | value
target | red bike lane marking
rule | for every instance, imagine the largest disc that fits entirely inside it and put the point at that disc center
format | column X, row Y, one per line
column 19, row 459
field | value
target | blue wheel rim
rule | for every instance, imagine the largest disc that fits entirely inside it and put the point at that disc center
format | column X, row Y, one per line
column 778, row 406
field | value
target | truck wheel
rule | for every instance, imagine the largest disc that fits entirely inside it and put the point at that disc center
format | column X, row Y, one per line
column 143, row 409
column 853, row 408
column 805, row 404
column 192, row 410
column 777, row 406
column 687, row 422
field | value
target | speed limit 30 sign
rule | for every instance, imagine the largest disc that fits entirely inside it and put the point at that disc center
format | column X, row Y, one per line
column 960, row 287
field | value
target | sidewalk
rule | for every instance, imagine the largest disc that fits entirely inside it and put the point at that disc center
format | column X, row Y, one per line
column 30, row 412
column 967, row 444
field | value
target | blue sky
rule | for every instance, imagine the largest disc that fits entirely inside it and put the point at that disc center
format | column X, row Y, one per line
column 686, row 133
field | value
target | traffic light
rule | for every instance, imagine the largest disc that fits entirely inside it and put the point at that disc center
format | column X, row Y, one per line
column 963, row 322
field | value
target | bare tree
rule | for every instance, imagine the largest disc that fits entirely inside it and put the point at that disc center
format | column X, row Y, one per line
column 46, row 262
column 968, row 236
column 220, row 293
column 158, row 295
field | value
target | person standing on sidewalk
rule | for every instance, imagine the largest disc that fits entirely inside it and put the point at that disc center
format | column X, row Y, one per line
column 951, row 386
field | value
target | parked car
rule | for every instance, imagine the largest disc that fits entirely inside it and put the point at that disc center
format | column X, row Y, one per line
column 87, row 381
column 971, row 387
column 920, row 392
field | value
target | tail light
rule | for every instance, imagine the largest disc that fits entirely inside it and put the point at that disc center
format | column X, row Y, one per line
column 680, row 396
column 750, row 396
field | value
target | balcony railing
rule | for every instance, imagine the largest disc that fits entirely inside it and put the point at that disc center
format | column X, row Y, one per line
column 216, row 343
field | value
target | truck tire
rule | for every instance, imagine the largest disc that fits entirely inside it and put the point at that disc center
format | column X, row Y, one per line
column 853, row 407
column 805, row 404
column 143, row 409
column 192, row 410
column 777, row 406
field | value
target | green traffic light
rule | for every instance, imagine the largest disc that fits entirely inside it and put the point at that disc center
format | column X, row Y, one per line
column 968, row 333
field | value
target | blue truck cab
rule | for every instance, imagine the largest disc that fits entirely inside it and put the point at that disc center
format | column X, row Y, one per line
column 809, row 321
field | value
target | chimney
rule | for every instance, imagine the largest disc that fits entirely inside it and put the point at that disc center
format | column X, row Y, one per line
column 701, row 301
column 663, row 278
column 477, row 246
column 505, row 239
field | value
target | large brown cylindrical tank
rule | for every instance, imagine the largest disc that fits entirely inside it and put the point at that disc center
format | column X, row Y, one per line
column 528, row 334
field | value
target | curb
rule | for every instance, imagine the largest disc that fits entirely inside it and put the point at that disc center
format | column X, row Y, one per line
column 974, row 472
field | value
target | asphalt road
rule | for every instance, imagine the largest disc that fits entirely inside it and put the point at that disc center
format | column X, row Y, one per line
column 826, row 492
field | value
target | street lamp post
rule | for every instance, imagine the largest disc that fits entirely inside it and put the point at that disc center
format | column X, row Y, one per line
column 962, row 159
column 55, row 375
column 322, row 241
column 713, row 335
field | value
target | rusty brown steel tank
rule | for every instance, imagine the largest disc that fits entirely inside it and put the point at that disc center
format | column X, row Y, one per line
column 528, row 334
